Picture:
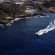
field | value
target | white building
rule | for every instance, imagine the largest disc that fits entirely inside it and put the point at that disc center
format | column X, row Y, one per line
column 18, row 4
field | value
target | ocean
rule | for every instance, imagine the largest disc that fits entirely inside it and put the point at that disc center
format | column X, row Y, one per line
column 20, row 39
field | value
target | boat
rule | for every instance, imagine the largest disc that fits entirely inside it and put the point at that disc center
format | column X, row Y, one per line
column 50, row 27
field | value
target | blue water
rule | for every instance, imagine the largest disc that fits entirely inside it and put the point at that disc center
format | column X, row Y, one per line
column 31, row 12
column 20, row 38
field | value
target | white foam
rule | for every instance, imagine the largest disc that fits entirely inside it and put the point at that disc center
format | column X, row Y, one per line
column 9, row 24
column 45, row 16
column 33, row 17
column 42, row 16
column 1, row 24
column 27, row 17
column 50, row 27
column 38, row 16
column 17, row 19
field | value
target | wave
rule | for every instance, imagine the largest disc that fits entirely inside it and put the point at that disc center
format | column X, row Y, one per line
column 1, row 25
column 44, row 16
column 9, row 24
column 38, row 16
column 16, row 19
column 50, row 27
column 32, row 17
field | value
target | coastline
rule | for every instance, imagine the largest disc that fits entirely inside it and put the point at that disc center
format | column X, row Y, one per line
column 35, row 15
column 16, row 19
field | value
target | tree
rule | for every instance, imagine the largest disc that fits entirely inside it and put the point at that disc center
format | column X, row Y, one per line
column 47, row 4
column 11, row 10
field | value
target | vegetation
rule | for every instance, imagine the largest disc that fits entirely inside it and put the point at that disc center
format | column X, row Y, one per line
column 39, row 7
column 10, row 10
column 47, row 4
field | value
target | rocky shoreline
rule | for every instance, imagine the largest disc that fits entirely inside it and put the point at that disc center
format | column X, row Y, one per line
column 22, row 17
column 49, row 10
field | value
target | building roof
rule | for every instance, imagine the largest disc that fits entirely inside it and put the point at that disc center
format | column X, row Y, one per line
column 19, row 2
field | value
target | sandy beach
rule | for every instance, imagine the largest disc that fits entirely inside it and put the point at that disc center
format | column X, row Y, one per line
column 30, row 10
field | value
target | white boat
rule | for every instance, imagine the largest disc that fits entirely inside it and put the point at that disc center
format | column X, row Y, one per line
column 50, row 27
